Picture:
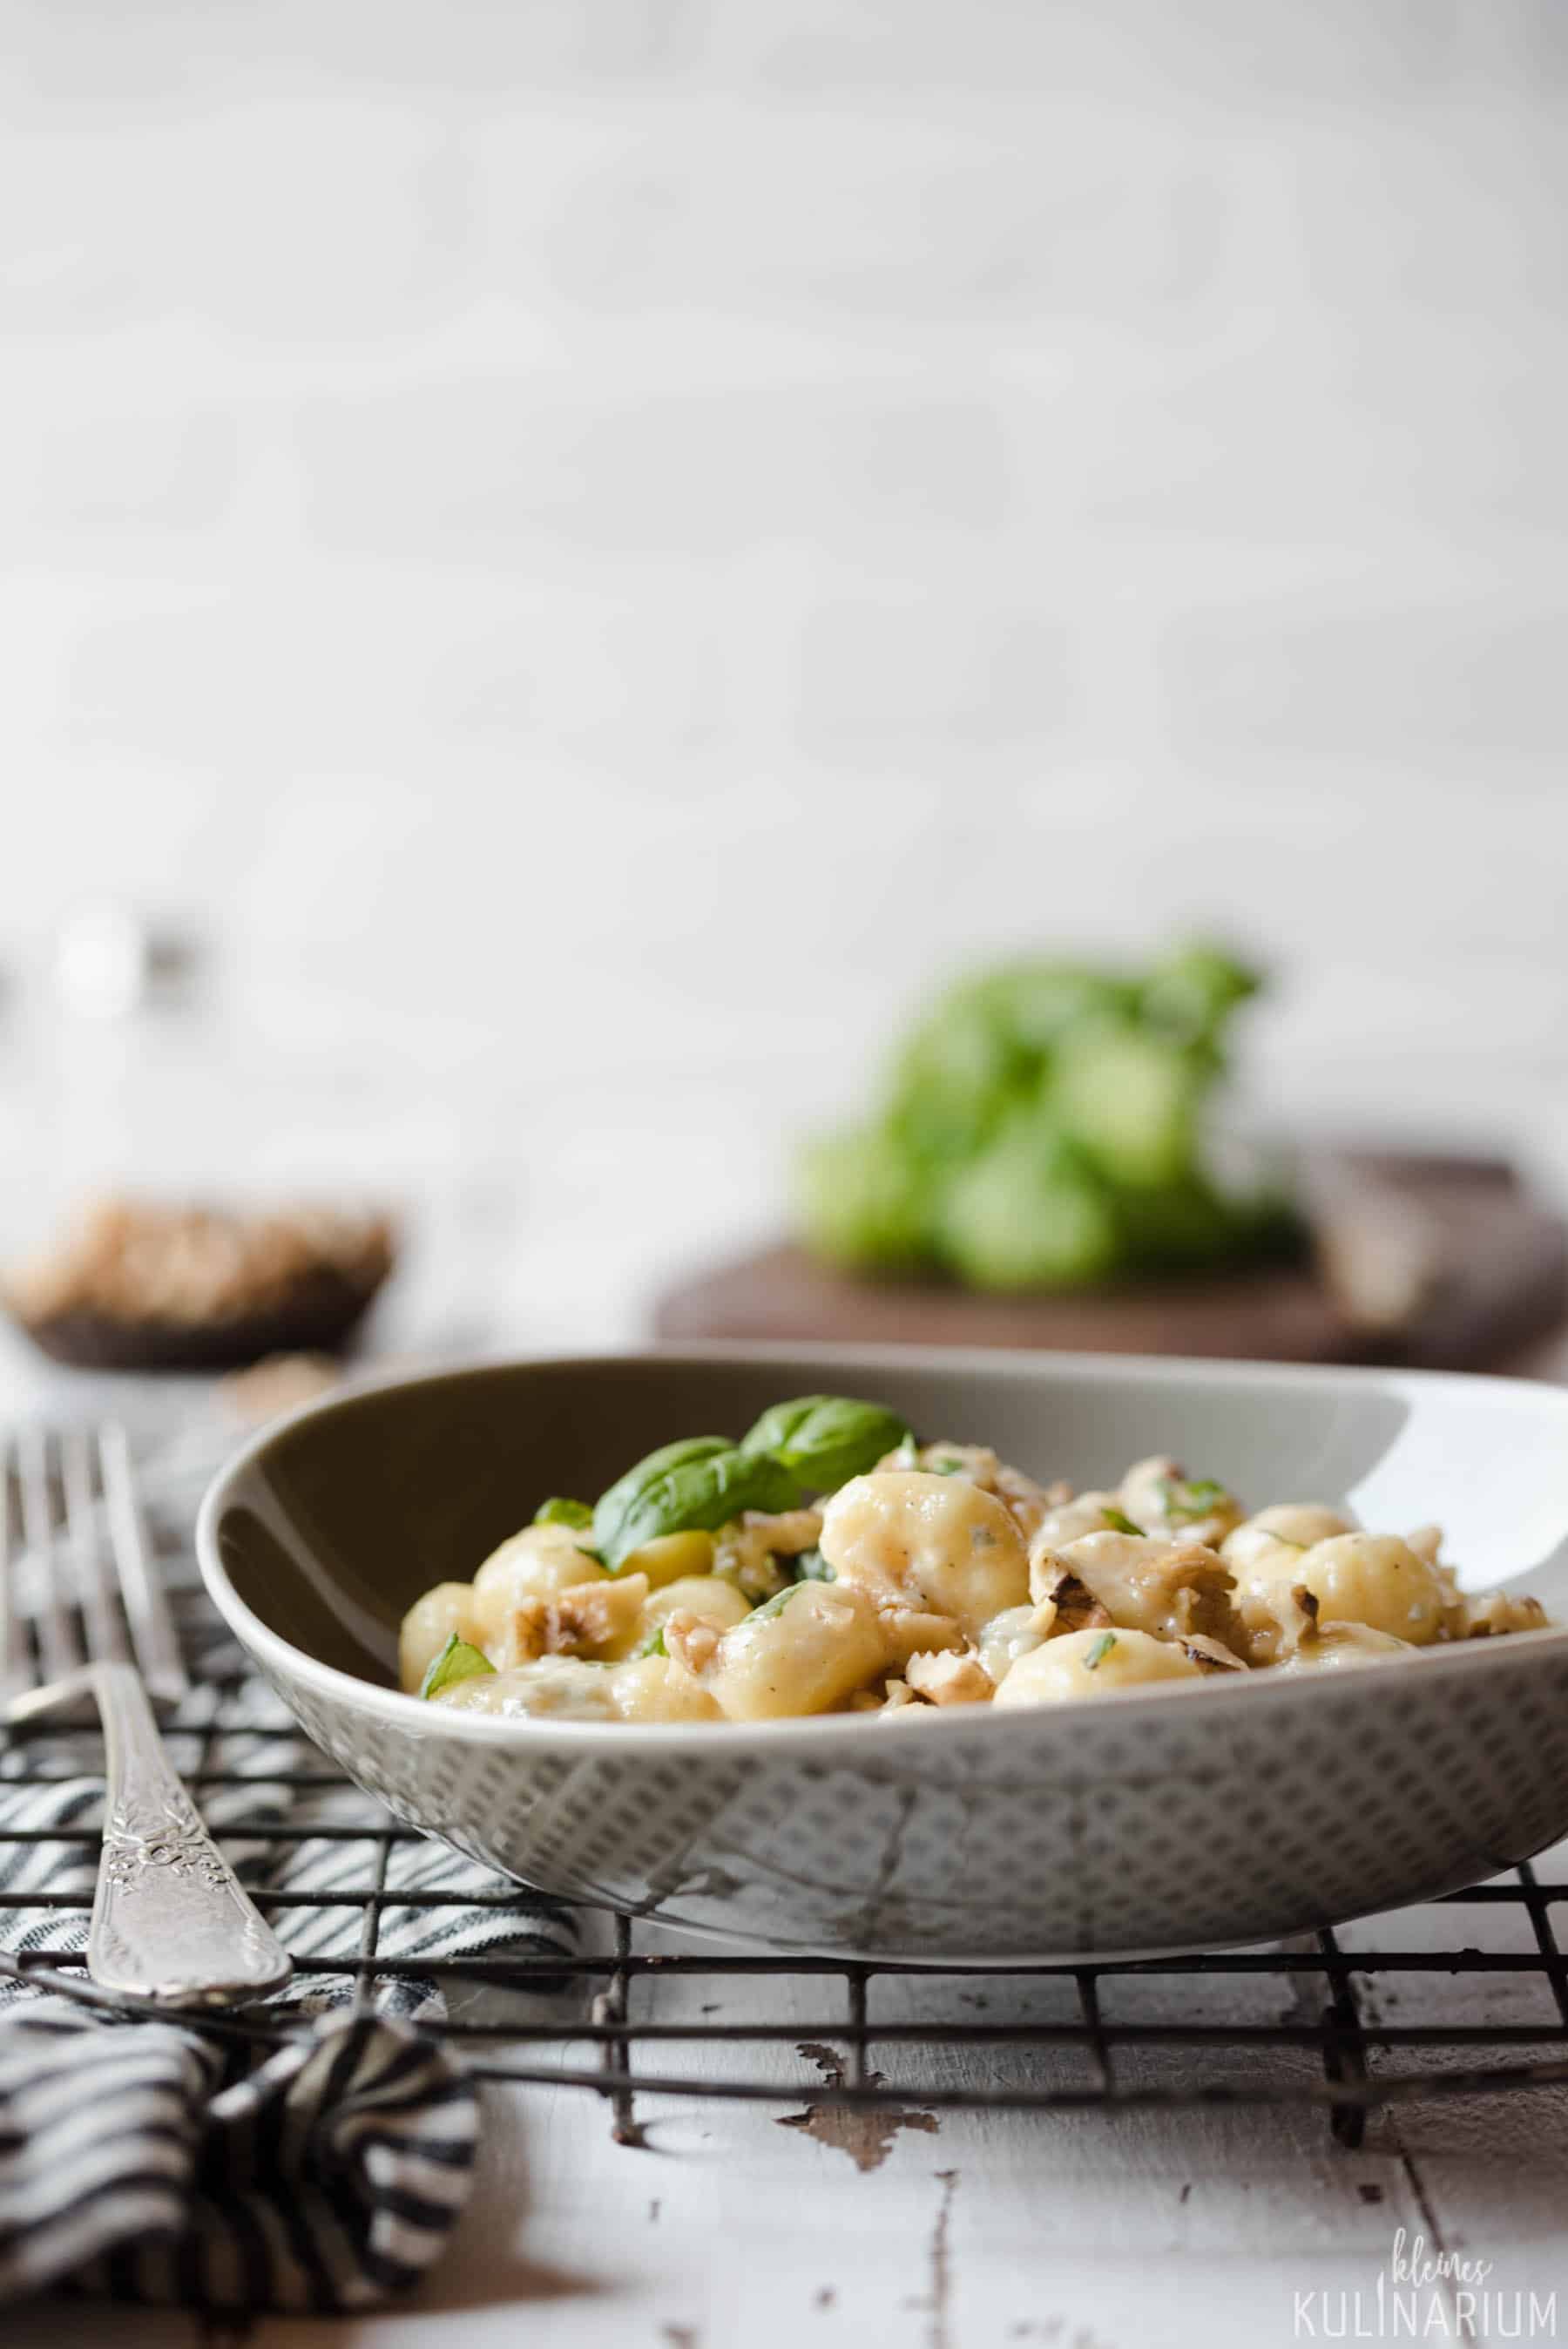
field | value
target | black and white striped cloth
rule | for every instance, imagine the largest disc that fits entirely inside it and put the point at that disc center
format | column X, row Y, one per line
column 153, row 2161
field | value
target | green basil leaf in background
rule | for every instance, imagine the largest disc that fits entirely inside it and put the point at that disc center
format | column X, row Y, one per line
column 456, row 1661
column 1120, row 1522
column 824, row 1440
column 559, row 1510
column 809, row 1565
column 703, row 1491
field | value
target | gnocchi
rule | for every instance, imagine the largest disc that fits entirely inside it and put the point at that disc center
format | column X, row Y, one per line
column 720, row 1582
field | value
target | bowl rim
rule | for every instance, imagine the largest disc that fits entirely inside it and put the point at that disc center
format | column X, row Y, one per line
column 819, row 1731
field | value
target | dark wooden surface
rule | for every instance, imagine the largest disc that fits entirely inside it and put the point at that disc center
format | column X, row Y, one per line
column 1444, row 1262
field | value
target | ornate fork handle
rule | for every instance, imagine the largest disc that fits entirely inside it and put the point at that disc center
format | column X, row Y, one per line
column 170, row 1918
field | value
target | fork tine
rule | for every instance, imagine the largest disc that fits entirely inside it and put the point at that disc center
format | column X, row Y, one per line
column 146, row 1602
column 106, row 1636
column 59, row 1649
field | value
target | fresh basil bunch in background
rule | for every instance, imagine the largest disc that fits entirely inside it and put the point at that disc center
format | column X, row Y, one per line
column 1043, row 1127
column 812, row 1444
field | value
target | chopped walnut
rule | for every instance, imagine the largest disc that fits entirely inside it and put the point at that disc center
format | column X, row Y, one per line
column 950, row 1679
column 909, row 1630
column 1493, row 1612
column 1064, row 1605
column 690, row 1640
column 1209, row 1655
column 585, row 1616
column 1276, row 1626
column 1166, row 1589
column 747, row 1551
column 901, row 1703
column 132, row 1261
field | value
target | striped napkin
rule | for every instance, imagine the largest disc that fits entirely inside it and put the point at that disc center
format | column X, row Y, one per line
column 313, row 2157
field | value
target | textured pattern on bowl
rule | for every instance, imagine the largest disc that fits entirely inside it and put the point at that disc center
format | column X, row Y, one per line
column 1153, row 1820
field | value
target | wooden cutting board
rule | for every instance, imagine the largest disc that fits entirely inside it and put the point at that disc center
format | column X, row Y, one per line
column 1441, row 1262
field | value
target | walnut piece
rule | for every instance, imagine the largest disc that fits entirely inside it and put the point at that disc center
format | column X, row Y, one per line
column 1169, row 1588
column 1492, row 1612
column 1063, row 1603
column 950, row 1679
column 910, row 1629
column 747, row 1551
column 690, row 1640
column 1209, row 1655
column 139, row 1285
column 574, row 1621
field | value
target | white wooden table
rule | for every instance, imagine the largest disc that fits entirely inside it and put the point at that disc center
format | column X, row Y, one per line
column 1085, row 2230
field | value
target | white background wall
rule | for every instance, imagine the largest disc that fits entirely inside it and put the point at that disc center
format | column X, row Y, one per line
column 591, row 544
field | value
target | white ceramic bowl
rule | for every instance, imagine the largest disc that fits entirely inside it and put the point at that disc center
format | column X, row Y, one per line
column 1146, row 1821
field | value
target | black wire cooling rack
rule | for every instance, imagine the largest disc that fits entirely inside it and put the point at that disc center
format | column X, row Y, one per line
column 1311, row 2022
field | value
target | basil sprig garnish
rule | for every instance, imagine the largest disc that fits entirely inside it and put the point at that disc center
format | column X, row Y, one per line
column 456, row 1661
column 697, row 1484
column 824, row 1440
column 812, row 1444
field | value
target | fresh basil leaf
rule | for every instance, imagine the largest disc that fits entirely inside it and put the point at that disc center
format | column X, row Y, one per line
column 824, row 1440
column 699, row 1484
column 652, row 1646
column 456, row 1661
column 1099, row 1653
column 809, row 1565
column 1119, row 1521
column 559, row 1510
column 774, row 1605
column 613, row 1506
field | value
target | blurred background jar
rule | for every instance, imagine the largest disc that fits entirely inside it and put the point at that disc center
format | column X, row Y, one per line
column 147, row 1071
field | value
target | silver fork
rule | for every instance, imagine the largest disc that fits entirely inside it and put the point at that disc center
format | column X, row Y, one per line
column 171, row 1919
